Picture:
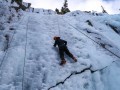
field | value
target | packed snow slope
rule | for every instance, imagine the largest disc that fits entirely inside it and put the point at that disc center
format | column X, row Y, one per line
column 32, row 63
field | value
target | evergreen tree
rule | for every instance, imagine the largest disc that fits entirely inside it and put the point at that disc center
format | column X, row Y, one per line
column 65, row 8
column 62, row 10
column 17, row 1
column 104, row 11
column 65, row 4
column 57, row 11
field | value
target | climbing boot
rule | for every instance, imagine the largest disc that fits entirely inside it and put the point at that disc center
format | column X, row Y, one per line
column 74, row 59
column 63, row 62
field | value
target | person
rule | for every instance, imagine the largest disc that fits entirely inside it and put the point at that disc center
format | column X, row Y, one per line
column 62, row 45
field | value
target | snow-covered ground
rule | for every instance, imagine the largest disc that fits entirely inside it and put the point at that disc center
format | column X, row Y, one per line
column 32, row 63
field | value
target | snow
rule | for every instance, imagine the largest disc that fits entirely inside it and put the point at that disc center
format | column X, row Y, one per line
column 42, row 11
column 41, row 69
column 112, row 77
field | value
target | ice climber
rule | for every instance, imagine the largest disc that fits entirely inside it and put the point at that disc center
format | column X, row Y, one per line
column 62, row 44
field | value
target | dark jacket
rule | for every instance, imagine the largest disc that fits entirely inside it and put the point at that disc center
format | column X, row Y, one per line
column 60, row 43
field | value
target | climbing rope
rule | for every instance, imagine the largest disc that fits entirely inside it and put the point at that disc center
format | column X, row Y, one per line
column 92, row 39
column 25, row 54
column 59, row 33
column 9, row 44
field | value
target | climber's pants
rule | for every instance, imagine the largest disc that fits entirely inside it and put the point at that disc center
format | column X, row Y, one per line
column 62, row 50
